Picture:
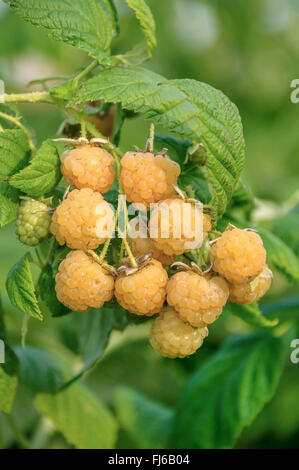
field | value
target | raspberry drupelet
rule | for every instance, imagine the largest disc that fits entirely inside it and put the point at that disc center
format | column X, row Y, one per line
column 172, row 337
column 148, row 178
column 143, row 292
column 198, row 299
column 33, row 222
column 84, row 220
column 88, row 166
column 251, row 291
column 82, row 283
column 238, row 255
column 167, row 220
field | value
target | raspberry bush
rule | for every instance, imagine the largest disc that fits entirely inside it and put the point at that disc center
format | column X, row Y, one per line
column 71, row 199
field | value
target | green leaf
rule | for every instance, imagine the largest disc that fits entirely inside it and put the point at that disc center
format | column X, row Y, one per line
column 86, row 24
column 147, row 422
column 227, row 392
column 286, row 309
column 94, row 329
column 8, row 386
column 190, row 108
column 251, row 314
column 8, row 370
column 40, row 370
column 47, row 294
column 43, row 173
column 20, row 288
column 9, row 203
column 14, row 152
column 147, row 23
column 80, row 416
column 197, row 178
column 280, row 255
column 177, row 148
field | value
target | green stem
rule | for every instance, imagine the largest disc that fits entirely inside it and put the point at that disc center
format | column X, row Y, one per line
column 20, row 437
column 107, row 242
column 130, row 254
column 86, row 71
column 104, row 250
column 17, row 123
column 24, row 330
column 39, row 258
column 32, row 97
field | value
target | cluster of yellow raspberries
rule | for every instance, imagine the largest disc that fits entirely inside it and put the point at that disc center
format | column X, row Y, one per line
column 188, row 301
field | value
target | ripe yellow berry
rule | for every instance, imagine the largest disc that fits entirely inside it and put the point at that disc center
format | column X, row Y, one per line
column 171, row 337
column 147, row 178
column 88, row 167
column 143, row 292
column 238, row 255
column 175, row 226
column 198, row 299
column 82, row 283
column 141, row 246
column 251, row 291
column 84, row 220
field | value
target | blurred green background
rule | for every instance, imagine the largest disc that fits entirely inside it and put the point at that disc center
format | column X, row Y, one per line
column 248, row 49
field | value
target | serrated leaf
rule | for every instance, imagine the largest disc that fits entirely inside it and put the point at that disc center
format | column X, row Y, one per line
column 80, row 416
column 94, row 329
column 86, row 24
column 190, row 108
column 146, row 421
column 227, row 392
column 280, row 255
column 47, row 294
column 251, row 314
column 14, row 152
column 40, row 370
column 20, row 288
column 147, row 22
column 9, row 203
column 43, row 173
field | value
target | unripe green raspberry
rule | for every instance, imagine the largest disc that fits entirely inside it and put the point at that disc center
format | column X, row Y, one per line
column 33, row 222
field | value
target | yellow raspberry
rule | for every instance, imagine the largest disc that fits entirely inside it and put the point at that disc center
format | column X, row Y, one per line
column 251, row 291
column 88, row 167
column 82, row 283
column 143, row 292
column 147, row 178
column 83, row 220
column 141, row 246
column 198, row 299
column 171, row 337
column 167, row 222
column 238, row 255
